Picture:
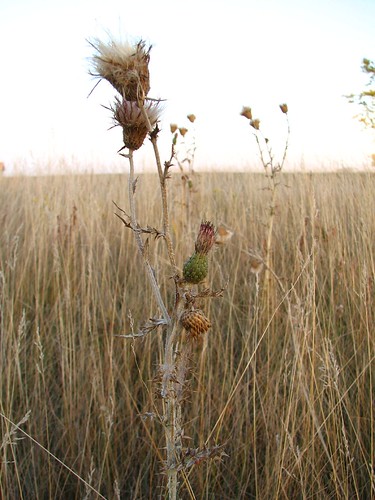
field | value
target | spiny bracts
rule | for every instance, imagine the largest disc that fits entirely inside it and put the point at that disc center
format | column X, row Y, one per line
column 196, row 267
column 195, row 323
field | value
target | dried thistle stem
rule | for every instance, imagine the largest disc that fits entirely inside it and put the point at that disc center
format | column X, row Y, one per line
column 172, row 412
column 133, row 217
column 164, row 199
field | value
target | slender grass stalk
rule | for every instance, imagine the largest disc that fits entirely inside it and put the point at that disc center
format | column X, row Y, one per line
column 75, row 283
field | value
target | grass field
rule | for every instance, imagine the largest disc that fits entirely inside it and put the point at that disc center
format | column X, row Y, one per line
column 284, row 379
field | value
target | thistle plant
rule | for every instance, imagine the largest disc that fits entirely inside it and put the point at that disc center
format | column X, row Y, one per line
column 125, row 67
column 272, row 169
column 196, row 268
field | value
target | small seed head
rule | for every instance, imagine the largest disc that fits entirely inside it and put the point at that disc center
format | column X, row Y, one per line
column 256, row 265
column 255, row 123
column 183, row 131
column 223, row 235
column 173, row 127
column 284, row 108
column 191, row 118
column 246, row 112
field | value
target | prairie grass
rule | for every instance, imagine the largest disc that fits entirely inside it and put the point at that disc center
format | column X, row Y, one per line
column 287, row 386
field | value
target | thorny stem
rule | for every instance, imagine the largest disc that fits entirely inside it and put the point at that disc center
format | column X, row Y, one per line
column 133, row 217
column 170, row 387
column 164, row 198
column 173, row 382
column 172, row 404
column 166, row 230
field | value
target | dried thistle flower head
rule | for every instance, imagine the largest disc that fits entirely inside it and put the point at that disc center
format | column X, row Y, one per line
column 183, row 131
column 246, row 112
column 129, row 116
column 191, row 118
column 223, row 235
column 284, row 108
column 173, row 127
column 206, row 238
column 255, row 123
column 195, row 322
column 125, row 66
column 256, row 265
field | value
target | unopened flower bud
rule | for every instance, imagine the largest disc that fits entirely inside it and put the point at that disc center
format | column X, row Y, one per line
column 195, row 268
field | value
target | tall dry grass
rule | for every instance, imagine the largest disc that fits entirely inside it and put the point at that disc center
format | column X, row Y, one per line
column 288, row 386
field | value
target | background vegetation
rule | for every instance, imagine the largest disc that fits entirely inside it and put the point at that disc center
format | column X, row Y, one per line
column 284, row 378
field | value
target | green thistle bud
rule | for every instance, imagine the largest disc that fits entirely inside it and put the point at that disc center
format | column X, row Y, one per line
column 196, row 267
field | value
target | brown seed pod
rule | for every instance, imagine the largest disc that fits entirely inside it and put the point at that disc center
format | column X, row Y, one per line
column 129, row 116
column 246, row 112
column 195, row 323
column 284, row 108
column 134, row 136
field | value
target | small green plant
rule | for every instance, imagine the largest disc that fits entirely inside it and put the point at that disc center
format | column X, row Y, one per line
column 366, row 99
column 126, row 68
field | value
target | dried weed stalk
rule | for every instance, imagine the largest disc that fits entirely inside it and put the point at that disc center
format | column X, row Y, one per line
column 126, row 68
column 184, row 148
column 272, row 170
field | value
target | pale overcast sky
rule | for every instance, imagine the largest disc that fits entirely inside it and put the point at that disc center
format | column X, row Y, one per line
column 209, row 57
